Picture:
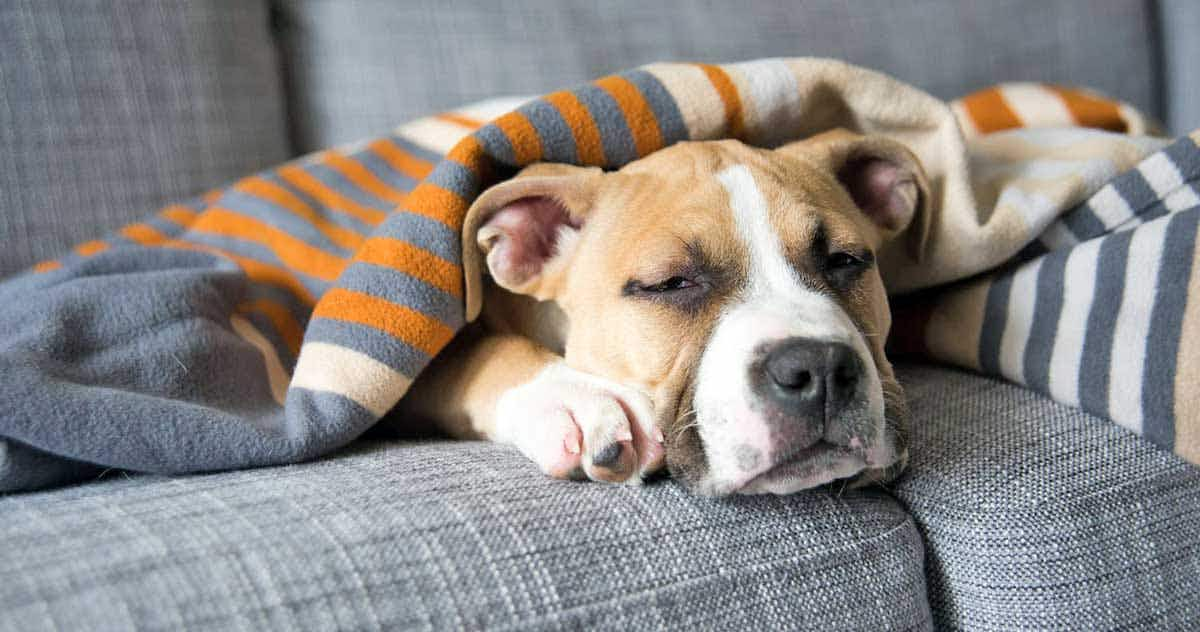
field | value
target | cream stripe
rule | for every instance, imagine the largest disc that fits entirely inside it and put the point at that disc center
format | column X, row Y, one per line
column 699, row 104
column 277, row 377
column 433, row 134
column 331, row 368
column 770, row 100
column 1181, row 199
column 1133, row 325
column 491, row 109
column 1160, row 173
column 964, row 119
column 1187, row 371
column 1110, row 207
column 1037, row 106
column 1021, row 301
column 1079, row 287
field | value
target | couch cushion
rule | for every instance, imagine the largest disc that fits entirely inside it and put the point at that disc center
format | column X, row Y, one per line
column 449, row 535
column 358, row 67
column 1039, row 516
column 110, row 109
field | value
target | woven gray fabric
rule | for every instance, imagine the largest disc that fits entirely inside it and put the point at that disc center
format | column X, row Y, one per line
column 358, row 67
column 449, row 536
column 1038, row 516
column 110, row 109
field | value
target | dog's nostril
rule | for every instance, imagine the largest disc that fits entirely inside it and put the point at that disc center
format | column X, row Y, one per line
column 811, row 378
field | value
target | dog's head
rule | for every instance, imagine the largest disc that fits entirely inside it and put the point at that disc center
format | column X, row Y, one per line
column 735, row 285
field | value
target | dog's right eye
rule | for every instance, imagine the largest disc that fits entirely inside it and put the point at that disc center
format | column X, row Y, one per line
column 672, row 284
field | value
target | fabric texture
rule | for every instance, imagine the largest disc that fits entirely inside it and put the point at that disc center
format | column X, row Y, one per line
column 1037, row 516
column 279, row 318
column 355, row 68
column 110, row 110
column 450, row 535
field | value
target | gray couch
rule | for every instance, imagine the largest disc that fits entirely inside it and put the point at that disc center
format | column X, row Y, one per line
column 1017, row 513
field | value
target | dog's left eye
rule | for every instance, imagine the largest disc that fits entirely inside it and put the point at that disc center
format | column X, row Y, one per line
column 842, row 268
column 842, row 261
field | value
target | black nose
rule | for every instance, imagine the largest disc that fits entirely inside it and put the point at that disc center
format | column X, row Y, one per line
column 811, row 378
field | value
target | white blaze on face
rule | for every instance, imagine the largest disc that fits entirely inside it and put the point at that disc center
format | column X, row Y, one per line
column 775, row 305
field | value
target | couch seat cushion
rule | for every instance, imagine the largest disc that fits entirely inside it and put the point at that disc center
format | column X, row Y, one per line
column 1040, row 516
column 449, row 536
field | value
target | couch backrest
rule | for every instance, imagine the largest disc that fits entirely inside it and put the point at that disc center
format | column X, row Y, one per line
column 356, row 67
column 110, row 109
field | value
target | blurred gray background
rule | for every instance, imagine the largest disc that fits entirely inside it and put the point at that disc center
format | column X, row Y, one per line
column 110, row 109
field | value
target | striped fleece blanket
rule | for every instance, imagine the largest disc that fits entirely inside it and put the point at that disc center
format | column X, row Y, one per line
column 280, row 317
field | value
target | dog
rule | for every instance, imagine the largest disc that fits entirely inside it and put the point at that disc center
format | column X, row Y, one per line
column 713, row 308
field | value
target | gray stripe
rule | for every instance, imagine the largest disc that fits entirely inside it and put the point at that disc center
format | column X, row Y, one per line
column 402, row 289
column 1133, row 187
column 666, row 111
column 558, row 143
column 1094, row 369
column 384, row 171
column 422, row 231
column 1083, row 222
column 496, row 144
column 455, row 178
column 339, row 183
column 393, row 352
column 282, row 219
column 1186, row 157
column 1046, row 312
column 344, row 220
column 410, row 147
column 995, row 317
column 1166, row 328
column 619, row 148
column 257, row 252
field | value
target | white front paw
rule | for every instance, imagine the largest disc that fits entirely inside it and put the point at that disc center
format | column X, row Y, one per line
column 574, row 424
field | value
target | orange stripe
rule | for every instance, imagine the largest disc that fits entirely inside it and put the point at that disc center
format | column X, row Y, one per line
column 327, row 197
column 460, row 119
column 293, row 252
column 361, row 177
column 279, row 196
column 413, row 261
column 583, row 128
column 415, row 328
column 1090, row 111
column 525, row 141
column 437, row 203
column 179, row 214
column 212, row 196
column 734, row 122
column 989, row 111
column 46, row 266
column 281, row 319
column 89, row 248
column 143, row 234
column 470, row 154
column 148, row 236
column 400, row 160
column 638, row 115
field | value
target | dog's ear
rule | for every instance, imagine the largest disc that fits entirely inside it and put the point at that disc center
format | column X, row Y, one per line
column 884, row 178
column 525, row 229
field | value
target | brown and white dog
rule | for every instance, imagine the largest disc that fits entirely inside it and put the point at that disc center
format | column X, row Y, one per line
column 713, row 307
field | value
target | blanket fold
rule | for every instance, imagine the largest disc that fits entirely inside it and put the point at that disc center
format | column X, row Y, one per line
column 278, row 318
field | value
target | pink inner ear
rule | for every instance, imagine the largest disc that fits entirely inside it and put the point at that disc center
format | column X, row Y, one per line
column 884, row 191
column 528, row 229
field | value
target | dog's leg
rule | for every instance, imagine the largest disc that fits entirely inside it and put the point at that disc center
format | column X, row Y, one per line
column 507, row 388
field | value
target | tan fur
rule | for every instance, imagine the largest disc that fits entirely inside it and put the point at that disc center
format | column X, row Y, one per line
column 638, row 224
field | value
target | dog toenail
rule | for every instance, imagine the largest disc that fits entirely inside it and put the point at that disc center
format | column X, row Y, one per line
column 608, row 455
